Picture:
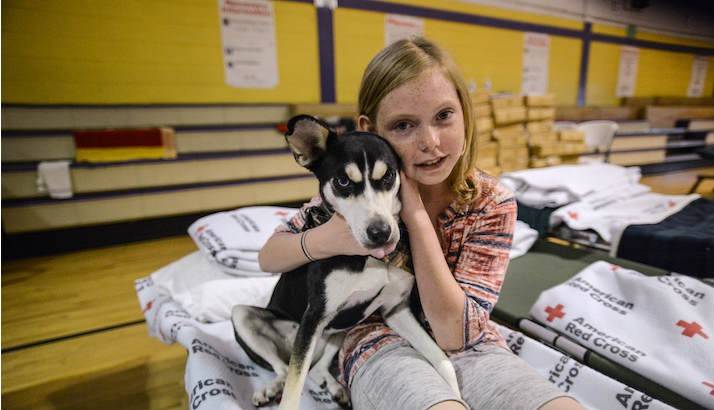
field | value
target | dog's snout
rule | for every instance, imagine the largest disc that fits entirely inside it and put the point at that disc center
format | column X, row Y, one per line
column 378, row 232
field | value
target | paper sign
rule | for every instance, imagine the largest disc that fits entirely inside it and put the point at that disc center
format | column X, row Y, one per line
column 397, row 27
column 249, row 46
column 536, row 52
column 627, row 74
column 699, row 74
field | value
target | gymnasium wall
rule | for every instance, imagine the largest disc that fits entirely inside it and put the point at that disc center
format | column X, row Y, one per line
column 137, row 52
column 72, row 65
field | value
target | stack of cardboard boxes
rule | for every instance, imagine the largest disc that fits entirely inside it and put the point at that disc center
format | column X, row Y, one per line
column 547, row 146
column 509, row 115
column 486, row 148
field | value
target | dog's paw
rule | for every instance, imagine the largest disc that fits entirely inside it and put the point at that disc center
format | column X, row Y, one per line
column 268, row 393
column 341, row 397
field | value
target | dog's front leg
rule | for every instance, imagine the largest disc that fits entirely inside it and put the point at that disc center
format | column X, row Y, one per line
column 311, row 327
column 402, row 321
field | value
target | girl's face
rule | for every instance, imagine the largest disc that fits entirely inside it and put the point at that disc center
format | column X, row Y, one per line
column 424, row 122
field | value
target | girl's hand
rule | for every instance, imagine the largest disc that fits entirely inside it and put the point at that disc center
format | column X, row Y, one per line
column 411, row 199
column 335, row 237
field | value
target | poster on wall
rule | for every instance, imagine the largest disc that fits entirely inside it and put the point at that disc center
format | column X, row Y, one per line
column 536, row 52
column 249, row 47
column 699, row 74
column 397, row 27
column 627, row 72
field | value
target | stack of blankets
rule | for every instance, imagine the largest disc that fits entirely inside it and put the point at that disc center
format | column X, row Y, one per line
column 609, row 200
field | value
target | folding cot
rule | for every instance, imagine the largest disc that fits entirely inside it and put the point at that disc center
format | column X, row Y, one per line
column 548, row 264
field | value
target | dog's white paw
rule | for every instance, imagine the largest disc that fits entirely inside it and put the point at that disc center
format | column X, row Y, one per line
column 268, row 393
column 337, row 392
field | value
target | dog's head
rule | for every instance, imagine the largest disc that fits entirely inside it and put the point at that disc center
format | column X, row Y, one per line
column 358, row 174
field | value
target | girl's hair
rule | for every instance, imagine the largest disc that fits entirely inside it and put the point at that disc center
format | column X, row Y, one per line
column 404, row 61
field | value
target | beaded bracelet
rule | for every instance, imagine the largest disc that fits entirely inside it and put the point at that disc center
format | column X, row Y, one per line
column 304, row 248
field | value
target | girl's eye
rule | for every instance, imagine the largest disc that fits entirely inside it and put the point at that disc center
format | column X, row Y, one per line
column 402, row 126
column 444, row 115
column 342, row 181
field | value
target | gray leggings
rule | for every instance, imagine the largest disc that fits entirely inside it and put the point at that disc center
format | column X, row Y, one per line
column 490, row 377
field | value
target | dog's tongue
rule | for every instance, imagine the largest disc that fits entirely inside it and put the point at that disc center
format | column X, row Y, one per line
column 379, row 253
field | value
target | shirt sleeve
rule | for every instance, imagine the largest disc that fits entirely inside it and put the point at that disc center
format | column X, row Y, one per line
column 482, row 264
column 296, row 223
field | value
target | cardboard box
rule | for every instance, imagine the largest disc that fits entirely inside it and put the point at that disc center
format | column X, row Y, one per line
column 548, row 161
column 571, row 135
column 482, row 111
column 492, row 170
column 542, row 138
column 545, row 100
column 544, row 150
column 536, row 127
column 507, row 155
column 503, row 116
column 535, row 114
column 506, row 101
column 484, row 125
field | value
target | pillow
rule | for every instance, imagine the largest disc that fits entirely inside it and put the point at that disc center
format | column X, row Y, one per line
column 232, row 239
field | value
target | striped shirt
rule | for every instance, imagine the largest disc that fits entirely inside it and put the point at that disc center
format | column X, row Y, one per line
column 476, row 243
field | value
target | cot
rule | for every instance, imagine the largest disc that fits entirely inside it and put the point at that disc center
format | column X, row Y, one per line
column 548, row 264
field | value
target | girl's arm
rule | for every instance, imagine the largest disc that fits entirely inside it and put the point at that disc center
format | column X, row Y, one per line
column 283, row 251
column 458, row 305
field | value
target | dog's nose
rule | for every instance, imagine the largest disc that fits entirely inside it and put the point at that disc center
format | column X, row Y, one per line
column 378, row 232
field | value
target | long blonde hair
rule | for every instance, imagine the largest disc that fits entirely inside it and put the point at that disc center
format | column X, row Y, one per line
column 403, row 61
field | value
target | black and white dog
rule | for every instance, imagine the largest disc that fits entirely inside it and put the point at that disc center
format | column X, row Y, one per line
column 358, row 174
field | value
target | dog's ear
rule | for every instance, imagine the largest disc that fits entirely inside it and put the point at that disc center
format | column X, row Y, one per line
column 307, row 139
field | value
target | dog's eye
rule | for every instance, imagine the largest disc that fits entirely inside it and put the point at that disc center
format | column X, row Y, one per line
column 342, row 181
column 388, row 177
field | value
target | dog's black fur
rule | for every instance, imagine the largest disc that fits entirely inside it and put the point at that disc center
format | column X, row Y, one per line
column 358, row 174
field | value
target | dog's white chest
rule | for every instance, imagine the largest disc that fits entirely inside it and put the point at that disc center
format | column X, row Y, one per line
column 345, row 289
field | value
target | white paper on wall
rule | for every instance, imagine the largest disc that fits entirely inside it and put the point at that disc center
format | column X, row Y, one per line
column 536, row 52
column 627, row 72
column 397, row 27
column 699, row 74
column 249, row 46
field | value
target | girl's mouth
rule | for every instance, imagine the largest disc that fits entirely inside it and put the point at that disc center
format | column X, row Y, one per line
column 433, row 164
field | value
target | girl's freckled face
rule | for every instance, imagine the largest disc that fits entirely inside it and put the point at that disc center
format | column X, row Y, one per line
column 424, row 122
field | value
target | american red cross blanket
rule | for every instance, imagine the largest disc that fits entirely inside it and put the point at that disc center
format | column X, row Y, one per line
column 660, row 327
column 593, row 390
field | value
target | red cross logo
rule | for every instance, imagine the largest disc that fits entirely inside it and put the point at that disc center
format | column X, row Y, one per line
column 201, row 228
column 281, row 213
column 711, row 386
column 614, row 268
column 692, row 329
column 148, row 306
column 554, row 312
column 573, row 215
column 671, row 204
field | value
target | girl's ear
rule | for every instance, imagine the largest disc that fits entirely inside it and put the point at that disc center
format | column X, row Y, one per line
column 364, row 124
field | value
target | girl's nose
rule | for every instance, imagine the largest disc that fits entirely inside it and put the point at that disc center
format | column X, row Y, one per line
column 428, row 139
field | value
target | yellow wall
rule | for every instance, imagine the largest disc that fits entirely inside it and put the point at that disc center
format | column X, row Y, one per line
column 135, row 52
column 138, row 51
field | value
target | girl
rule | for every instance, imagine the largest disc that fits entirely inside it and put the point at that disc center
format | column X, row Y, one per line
column 460, row 223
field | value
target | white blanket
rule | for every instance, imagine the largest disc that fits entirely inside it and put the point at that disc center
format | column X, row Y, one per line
column 660, row 327
column 523, row 238
column 594, row 390
column 207, row 293
column 232, row 239
column 560, row 185
column 611, row 210
column 219, row 374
